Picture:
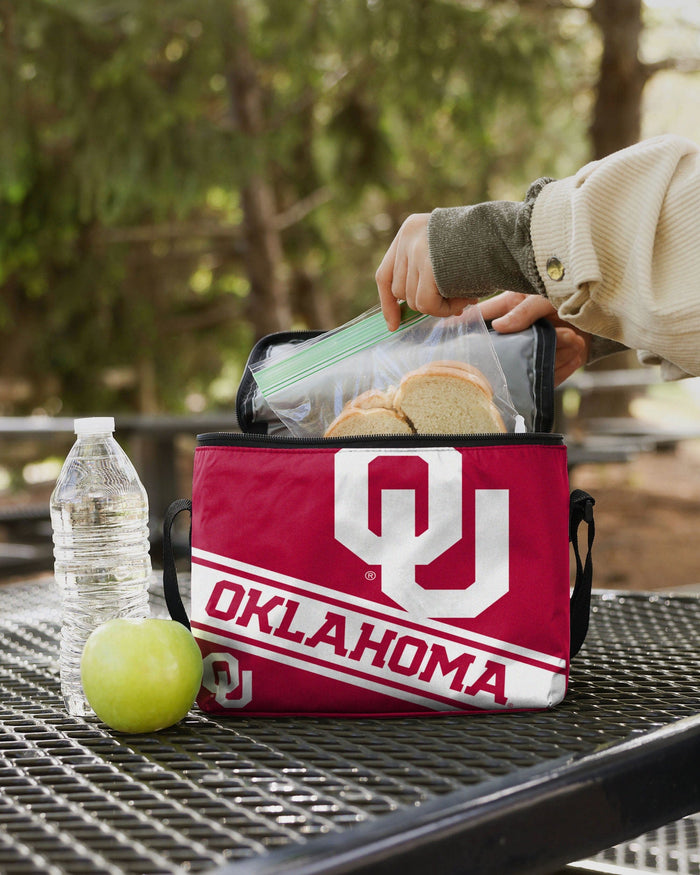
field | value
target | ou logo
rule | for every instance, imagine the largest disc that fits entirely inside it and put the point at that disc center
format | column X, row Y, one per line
column 232, row 688
column 400, row 546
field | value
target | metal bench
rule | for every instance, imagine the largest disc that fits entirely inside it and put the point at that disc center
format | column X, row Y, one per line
column 520, row 793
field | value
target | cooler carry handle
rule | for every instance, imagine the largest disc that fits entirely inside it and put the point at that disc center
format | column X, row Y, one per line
column 173, row 599
column 580, row 510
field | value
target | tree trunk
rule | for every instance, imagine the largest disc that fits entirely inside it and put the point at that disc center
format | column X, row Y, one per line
column 310, row 304
column 616, row 123
column 616, row 119
column 269, row 306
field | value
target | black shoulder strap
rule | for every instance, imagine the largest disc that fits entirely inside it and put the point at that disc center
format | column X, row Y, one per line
column 543, row 375
column 581, row 510
column 171, row 590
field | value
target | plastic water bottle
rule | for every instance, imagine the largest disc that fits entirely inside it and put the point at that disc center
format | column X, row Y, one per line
column 99, row 515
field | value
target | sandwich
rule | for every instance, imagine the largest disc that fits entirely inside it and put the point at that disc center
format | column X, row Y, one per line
column 443, row 397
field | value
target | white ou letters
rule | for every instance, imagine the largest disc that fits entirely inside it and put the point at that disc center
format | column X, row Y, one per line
column 399, row 547
column 222, row 676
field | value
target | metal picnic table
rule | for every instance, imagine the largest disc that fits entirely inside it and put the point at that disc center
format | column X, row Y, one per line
column 518, row 793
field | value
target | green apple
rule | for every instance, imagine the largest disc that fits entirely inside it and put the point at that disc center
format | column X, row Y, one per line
column 141, row 675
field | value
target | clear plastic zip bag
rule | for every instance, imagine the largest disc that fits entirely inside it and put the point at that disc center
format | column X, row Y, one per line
column 363, row 365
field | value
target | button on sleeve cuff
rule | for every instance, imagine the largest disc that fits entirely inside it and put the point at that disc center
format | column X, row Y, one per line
column 550, row 230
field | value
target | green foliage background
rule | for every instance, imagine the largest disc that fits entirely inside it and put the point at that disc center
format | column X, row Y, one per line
column 123, row 284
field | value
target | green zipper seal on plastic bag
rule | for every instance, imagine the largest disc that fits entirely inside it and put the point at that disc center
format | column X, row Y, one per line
column 337, row 345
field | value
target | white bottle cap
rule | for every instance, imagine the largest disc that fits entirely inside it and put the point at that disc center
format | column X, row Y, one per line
column 94, row 425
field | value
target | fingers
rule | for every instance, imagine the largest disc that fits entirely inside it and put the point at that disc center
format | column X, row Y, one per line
column 406, row 274
column 403, row 269
column 447, row 306
column 513, row 311
column 499, row 305
column 384, row 278
column 573, row 348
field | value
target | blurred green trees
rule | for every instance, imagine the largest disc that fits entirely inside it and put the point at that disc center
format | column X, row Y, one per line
column 178, row 178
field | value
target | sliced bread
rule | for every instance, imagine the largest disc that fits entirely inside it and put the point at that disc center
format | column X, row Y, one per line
column 441, row 397
column 445, row 400
column 460, row 368
column 383, row 398
column 373, row 420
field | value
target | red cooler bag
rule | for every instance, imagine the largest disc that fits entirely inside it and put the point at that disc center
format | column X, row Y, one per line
column 383, row 576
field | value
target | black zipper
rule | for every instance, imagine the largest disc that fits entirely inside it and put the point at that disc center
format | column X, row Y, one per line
column 234, row 439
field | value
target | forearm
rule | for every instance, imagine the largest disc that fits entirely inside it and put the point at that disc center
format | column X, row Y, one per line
column 481, row 249
column 615, row 249
column 626, row 231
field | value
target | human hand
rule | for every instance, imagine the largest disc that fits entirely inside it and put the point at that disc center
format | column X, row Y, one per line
column 513, row 311
column 406, row 274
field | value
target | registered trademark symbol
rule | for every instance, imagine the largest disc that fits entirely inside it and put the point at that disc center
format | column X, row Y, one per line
column 370, row 575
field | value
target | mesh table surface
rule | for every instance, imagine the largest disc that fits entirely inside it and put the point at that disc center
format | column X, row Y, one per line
column 78, row 798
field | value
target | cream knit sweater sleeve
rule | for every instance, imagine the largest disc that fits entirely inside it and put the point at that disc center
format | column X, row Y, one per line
column 617, row 246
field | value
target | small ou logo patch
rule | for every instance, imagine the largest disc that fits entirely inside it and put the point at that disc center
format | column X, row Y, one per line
column 419, row 521
column 232, row 688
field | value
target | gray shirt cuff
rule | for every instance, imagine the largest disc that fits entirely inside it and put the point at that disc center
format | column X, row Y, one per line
column 485, row 248
column 602, row 347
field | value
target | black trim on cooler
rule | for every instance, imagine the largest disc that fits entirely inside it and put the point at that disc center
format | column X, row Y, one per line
column 399, row 441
